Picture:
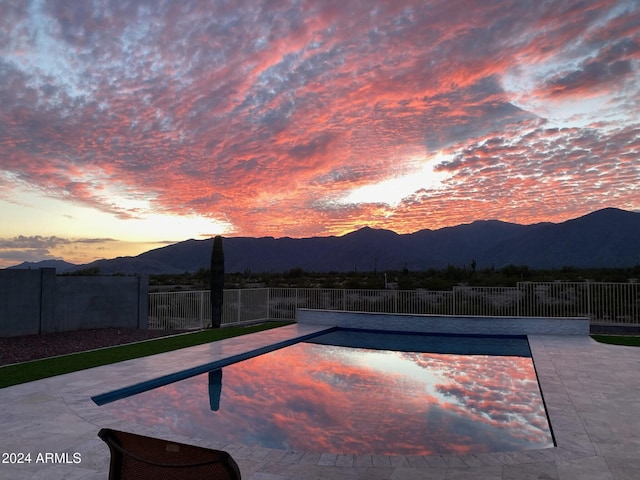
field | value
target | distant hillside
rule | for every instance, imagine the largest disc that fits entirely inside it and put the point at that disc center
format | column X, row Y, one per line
column 605, row 238
column 60, row 265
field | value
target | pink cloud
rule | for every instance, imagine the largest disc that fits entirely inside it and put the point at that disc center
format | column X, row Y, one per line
column 267, row 114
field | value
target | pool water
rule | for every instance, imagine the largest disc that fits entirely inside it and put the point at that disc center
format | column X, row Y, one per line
column 323, row 397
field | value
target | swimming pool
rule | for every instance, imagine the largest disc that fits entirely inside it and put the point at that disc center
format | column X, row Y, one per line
column 361, row 393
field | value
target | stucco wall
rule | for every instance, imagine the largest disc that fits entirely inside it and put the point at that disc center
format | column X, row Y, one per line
column 447, row 324
column 98, row 302
column 26, row 300
column 37, row 301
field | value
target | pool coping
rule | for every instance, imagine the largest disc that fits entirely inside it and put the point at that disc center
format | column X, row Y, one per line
column 68, row 397
column 567, row 447
column 208, row 366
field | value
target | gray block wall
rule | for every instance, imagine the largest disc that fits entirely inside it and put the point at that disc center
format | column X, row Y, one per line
column 27, row 300
column 100, row 302
column 447, row 324
column 37, row 302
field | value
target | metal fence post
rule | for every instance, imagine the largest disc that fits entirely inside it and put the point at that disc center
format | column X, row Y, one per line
column 590, row 312
column 268, row 303
column 455, row 301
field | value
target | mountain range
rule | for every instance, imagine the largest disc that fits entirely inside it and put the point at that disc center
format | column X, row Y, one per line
column 605, row 238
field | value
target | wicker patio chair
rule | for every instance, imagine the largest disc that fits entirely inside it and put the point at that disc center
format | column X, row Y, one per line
column 145, row 458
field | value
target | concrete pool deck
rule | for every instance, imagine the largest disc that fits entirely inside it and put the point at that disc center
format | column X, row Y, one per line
column 591, row 391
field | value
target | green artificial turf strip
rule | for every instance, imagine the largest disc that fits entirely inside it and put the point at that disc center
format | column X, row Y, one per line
column 618, row 340
column 49, row 367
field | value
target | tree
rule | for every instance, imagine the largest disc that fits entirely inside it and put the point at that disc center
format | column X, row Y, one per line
column 217, row 282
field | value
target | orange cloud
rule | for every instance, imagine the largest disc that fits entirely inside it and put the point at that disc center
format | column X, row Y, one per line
column 267, row 115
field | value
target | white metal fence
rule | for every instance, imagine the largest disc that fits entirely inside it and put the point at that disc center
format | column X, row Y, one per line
column 192, row 309
column 610, row 303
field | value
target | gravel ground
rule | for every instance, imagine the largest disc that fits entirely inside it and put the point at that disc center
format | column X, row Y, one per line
column 32, row 347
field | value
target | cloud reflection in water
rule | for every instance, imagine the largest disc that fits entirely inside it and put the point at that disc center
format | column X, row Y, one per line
column 356, row 401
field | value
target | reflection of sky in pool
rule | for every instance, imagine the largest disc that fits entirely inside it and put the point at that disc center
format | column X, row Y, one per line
column 327, row 398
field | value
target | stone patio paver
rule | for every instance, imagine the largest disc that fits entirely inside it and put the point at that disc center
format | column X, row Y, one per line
column 590, row 389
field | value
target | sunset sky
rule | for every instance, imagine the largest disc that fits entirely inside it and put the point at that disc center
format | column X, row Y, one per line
column 127, row 125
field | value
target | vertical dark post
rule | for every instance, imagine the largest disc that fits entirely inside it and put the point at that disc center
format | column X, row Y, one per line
column 215, row 389
column 217, row 282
